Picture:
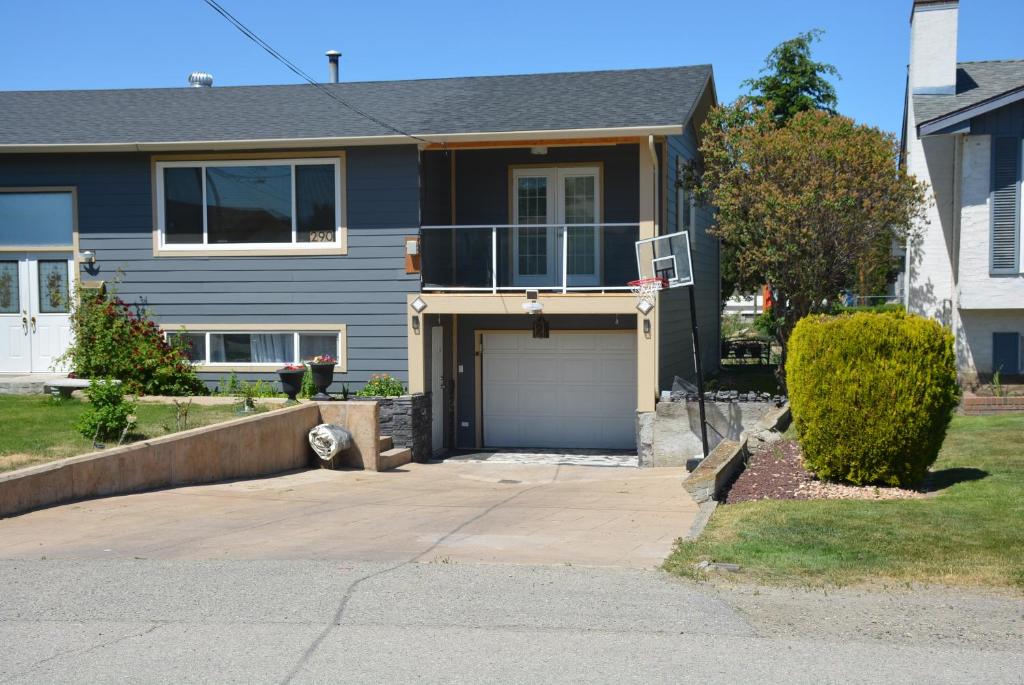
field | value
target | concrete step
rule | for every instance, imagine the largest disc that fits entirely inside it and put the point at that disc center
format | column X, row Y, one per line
column 386, row 442
column 395, row 457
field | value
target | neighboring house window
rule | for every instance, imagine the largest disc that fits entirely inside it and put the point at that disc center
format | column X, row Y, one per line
column 1006, row 353
column 250, row 204
column 257, row 348
column 1006, row 206
column 684, row 201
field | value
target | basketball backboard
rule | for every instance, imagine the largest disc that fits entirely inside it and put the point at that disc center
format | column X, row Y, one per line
column 666, row 257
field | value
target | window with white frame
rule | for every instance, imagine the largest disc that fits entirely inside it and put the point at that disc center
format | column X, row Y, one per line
column 252, row 204
column 257, row 348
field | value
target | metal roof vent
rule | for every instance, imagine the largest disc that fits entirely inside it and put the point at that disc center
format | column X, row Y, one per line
column 200, row 79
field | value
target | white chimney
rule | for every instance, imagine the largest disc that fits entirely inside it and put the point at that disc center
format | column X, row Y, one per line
column 933, row 29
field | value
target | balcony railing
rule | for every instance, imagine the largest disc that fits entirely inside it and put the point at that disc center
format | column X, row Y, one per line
column 549, row 257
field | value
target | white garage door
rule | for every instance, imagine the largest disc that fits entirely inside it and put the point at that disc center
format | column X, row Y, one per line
column 574, row 389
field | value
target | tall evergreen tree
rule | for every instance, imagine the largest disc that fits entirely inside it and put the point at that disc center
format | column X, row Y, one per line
column 792, row 81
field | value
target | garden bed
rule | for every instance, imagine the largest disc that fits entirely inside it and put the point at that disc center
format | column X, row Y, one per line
column 776, row 471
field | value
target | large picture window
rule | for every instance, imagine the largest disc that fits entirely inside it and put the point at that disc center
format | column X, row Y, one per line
column 251, row 204
column 237, row 348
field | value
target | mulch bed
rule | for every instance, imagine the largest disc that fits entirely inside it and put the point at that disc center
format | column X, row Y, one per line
column 777, row 472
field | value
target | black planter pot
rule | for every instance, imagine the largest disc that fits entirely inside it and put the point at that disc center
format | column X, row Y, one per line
column 323, row 376
column 291, row 382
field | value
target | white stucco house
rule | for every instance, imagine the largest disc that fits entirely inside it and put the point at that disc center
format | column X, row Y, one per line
column 963, row 137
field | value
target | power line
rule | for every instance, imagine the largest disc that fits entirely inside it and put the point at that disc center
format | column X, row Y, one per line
column 251, row 35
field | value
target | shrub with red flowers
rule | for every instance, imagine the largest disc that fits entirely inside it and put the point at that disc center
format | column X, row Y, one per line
column 113, row 339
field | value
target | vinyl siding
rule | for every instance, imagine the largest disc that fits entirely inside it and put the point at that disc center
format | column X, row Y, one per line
column 675, row 356
column 1008, row 120
column 365, row 289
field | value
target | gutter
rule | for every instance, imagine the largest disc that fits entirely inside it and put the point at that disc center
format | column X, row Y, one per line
column 344, row 141
column 657, row 181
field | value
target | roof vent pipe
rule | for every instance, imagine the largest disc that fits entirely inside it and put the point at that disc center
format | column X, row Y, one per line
column 332, row 65
column 200, row 79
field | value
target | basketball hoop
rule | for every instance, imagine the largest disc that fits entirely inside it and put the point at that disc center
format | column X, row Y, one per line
column 646, row 288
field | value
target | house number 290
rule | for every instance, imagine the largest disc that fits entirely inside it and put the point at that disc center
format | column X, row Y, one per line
column 321, row 236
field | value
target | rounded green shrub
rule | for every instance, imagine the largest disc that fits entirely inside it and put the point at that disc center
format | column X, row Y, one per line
column 871, row 395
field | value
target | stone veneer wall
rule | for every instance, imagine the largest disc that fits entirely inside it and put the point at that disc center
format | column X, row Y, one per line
column 407, row 419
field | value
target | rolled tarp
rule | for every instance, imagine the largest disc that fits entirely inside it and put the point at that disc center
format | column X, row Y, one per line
column 327, row 440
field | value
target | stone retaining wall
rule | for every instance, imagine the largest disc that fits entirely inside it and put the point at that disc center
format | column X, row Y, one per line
column 407, row 419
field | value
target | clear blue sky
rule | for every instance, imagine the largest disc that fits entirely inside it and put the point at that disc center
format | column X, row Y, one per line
column 61, row 44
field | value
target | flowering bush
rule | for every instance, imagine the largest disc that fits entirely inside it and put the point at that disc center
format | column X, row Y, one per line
column 323, row 359
column 114, row 340
column 382, row 385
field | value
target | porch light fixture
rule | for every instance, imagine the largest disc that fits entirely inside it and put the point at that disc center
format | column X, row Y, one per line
column 88, row 257
column 538, row 150
column 644, row 307
column 415, row 324
column 418, row 305
column 541, row 329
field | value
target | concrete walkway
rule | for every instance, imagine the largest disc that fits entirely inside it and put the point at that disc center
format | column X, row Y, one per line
column 490, row 513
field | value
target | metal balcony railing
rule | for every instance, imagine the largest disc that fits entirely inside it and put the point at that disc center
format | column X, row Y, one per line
column 516, row 257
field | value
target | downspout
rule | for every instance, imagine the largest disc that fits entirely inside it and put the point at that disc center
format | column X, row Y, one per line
column 657, row 181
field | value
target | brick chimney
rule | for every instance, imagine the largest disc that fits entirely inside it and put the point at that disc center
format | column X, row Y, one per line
column 933, row 29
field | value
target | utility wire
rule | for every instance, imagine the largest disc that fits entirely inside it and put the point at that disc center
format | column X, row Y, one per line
column 251, row 35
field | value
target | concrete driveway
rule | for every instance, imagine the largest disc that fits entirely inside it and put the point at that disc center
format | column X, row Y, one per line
column 491, row 513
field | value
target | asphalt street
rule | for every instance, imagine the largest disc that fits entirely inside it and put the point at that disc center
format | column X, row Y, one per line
column 146, row 620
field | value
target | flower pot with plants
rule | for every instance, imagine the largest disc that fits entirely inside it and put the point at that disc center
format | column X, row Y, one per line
column 322, row 370
column 291, row 381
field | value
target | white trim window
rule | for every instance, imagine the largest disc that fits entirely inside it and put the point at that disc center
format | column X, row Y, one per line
column 255, row 349
column 251, row 204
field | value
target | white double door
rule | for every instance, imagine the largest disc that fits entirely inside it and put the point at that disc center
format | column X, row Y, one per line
column 35, row 325
column 550, row 198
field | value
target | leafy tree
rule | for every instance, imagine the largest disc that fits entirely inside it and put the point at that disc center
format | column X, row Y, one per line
column 805, row 205
column 792, row 82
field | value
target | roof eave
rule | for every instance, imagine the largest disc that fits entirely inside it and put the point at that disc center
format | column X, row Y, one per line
column 953, row 121
column 343, row 141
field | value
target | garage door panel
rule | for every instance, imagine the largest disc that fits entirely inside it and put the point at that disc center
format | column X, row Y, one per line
column 538, row 369
column 571, row 390
column 503, row 368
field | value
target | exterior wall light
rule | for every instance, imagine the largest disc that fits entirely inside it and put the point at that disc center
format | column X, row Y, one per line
column 88, row 257
column 644, row 307
column 418, row 305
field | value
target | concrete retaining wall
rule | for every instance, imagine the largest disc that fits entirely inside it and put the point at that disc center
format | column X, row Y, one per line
column 671, row 435
column 711, row 477
column 244, row 448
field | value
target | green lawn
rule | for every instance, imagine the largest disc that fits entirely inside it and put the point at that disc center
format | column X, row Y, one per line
column 36, row 429
column 970, row 532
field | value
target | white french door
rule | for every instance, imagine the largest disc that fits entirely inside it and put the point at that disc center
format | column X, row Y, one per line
column 35, row 325
column 549, row 197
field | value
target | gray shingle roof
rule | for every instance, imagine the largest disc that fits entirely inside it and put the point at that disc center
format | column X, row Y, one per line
column 538, row 102
column 976, row 82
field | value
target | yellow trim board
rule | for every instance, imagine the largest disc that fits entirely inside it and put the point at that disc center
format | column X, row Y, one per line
column 512, row 303
column 339, row 328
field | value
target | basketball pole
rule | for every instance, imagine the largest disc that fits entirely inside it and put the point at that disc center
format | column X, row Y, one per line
column 700, row 371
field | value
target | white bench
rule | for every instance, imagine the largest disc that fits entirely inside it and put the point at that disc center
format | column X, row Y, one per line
column 65, row 386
